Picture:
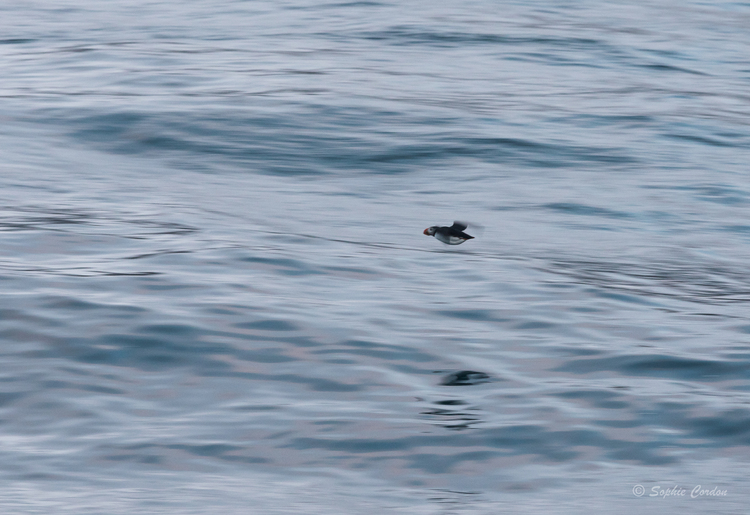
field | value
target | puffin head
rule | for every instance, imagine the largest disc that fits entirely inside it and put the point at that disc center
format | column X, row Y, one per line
column 430, row 231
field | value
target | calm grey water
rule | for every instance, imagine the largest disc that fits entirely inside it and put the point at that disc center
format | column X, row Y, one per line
column 217, row 297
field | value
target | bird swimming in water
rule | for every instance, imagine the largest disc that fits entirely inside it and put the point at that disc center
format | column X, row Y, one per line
column 453, row 235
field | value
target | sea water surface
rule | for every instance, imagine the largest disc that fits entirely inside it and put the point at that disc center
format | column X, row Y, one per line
column 216, row 296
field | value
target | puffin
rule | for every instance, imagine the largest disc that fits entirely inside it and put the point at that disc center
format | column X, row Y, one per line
column 453, row 235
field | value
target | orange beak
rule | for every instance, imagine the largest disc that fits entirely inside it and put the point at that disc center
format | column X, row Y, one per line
column 425, row 232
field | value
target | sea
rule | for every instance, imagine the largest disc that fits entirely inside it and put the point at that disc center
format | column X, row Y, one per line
column 216, row 296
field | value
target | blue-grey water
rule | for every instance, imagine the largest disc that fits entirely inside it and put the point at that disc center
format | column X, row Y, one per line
column 217, row 297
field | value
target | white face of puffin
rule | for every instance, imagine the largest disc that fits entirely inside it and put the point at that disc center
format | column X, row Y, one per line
column 430, row 231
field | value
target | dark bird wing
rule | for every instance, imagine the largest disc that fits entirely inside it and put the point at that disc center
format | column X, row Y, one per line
column 459, row 226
